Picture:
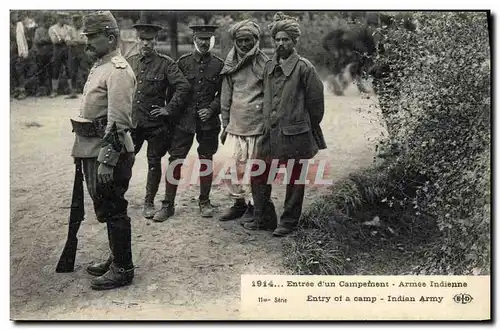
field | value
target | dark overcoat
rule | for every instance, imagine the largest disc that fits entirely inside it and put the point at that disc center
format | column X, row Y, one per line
column 293, row 110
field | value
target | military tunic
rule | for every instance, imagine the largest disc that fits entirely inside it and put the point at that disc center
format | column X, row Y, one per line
column 293, row 111
column 160, row 83
column 203, row 73
column 108, row 91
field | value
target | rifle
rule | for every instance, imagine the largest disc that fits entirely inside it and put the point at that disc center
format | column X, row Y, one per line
column 66, row 262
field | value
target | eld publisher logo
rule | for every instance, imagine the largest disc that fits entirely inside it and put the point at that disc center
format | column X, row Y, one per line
column 462, row 298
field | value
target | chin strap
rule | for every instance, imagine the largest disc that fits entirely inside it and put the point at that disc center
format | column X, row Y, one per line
column 212, row 44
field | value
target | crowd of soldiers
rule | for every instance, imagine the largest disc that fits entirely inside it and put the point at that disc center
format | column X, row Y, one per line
column 40, row 48
column 265, row 109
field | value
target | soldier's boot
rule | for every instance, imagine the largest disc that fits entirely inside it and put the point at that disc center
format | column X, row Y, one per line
column 248, row 215
column 268, row 222
column 167, row 210
column 22, row 93
column 264, row 217
column 282, row 231
column 72, row 91
column 292, row 211
column 40, row 92
column 100, row 268
column 152, row 184
column 206, row 208
column 236, row 211
column 115, row 277
column 55, row 87
column 121, row 270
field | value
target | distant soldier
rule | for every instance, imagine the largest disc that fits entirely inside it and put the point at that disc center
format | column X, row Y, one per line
column 43, row 46
column 200, row 118
column 104, row 146
column 76, row 53
column 293, row 111
column 241, row 109
column 162, row 90
column 60, row 34
column 19, row 52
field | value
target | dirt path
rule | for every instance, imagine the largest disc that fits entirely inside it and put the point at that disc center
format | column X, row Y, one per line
column 188, row 267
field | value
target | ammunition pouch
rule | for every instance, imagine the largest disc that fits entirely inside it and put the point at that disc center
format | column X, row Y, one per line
column 94, row 128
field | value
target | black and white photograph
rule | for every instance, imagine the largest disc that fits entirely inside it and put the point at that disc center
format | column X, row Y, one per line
column 157, row 156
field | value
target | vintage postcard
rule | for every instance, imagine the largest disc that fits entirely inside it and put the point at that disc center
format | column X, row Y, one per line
column 250, row 165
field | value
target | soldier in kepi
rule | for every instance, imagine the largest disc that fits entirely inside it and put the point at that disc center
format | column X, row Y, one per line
column 161, row 92
column 104, row 145
column 200, row 118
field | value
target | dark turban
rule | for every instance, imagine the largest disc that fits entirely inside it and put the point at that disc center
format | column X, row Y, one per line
column 288, row 24
column 246, row 27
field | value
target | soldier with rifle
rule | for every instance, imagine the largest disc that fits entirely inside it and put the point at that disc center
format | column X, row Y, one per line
column 103, row 147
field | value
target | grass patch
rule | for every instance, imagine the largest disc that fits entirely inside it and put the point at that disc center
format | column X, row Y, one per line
column 352, row 231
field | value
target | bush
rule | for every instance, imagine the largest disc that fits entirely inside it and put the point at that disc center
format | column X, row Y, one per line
column 432, row 197
column 436, row 101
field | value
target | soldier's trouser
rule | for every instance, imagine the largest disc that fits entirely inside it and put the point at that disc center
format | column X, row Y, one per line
column 59, row 59
column 243, row 150
column 294, row 196
column 208, row 144
column 21, row 65
column 110, row 205
column 159, row 140
column 75, row 62
column 44, row 64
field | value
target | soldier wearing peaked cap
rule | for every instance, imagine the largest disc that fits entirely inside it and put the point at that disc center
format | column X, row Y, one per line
column 103, row 144
column 161, row 93
column 200, row 117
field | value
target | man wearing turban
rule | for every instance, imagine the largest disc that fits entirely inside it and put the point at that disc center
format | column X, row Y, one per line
column 293, row 110
column 241, row 107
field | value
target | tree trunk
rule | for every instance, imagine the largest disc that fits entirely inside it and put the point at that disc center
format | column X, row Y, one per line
column 144, row 17
column 172, row 33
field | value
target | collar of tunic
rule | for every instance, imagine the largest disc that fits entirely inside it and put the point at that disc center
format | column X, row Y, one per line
column 287, row 65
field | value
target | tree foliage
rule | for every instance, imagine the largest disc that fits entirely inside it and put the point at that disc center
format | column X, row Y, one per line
column 435, row 97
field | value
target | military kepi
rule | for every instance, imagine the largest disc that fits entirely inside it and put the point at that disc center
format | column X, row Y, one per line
column 203, row 31
column 147, row 31
column 99, row 22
